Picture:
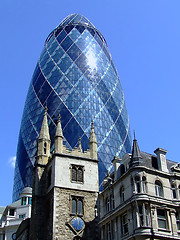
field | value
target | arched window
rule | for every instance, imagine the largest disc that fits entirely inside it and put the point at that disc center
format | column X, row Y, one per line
column 138, row 184
column 77, row 206
column 45, row 147
column 144, row 184
column 122, row 195
column 77, row 173
column 158, row 188
column 173, row 187
column 122, row 169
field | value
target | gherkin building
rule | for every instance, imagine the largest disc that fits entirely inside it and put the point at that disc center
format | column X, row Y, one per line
column 76, row 78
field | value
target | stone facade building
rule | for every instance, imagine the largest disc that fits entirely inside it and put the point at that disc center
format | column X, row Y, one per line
column 141, row 198
column 65, row 190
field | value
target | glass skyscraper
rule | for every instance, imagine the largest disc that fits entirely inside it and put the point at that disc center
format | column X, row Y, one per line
column 76, row 77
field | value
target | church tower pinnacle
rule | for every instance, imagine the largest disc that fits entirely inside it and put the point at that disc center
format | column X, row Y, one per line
column 93, row 143
column 58, row 138
column 43, row 144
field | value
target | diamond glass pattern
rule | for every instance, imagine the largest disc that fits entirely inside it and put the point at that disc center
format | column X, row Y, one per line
column 75, row 76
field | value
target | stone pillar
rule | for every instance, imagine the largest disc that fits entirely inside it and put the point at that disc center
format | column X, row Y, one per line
column 154, row 223
column 173, row 222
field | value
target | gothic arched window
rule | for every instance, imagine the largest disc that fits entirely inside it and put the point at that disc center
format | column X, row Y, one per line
column 77, row 206
column 77, row 173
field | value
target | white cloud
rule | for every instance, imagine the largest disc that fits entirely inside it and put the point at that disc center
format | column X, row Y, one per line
column 12, row 161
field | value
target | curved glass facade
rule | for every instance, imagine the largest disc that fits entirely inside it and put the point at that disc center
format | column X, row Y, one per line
column 75, row 76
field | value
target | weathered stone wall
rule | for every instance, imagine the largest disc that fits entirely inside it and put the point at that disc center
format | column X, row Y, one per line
column 62, row 214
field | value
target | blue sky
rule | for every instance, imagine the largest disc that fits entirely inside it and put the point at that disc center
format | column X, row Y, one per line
column 143, row 37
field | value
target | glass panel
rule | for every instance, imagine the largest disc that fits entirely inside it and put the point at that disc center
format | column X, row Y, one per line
column 30, row 200
column 74, row 174
column 80, row 207
column 80, row 175
column 73, row 206
column 23, row 201
column 161, row 215
column 11, row 212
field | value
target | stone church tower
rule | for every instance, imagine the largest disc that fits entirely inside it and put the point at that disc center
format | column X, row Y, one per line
column 65, row 189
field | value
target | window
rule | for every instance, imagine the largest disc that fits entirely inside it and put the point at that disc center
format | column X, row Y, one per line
column 124, row 223
column 122, row 169
column 77, row 206
column 30, row 200
column 143, row 215
column 45, row 147
column 144, row 184
column 158, row 189
column 77, row 173
column 107, row 205
column 155, row 162
column 138, row 184
column 23, row 201
column 122, row 195
column 109, row 231
column 173, row 187
column 22, row 216
column 11, row 212
column 112, row 202
column 162, row 220
column 178, row 221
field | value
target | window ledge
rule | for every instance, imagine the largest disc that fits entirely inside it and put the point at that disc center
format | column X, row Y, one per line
column 164, row 230
column 77, row 182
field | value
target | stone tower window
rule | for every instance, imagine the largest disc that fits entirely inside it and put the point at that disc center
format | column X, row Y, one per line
column 158, row 188
column 45, row 148
column 77, row 207
column 77, row 173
